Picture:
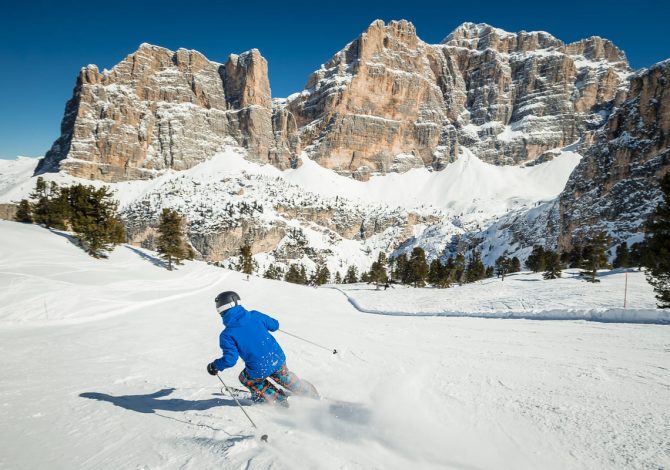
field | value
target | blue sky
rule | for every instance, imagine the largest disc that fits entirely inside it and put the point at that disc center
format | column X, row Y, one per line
column 43, row 44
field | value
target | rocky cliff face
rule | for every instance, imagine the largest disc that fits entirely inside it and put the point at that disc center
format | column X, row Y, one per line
column 386, row 102
column 159, row 110
column 522, row 94
column 390, row 102
column 374, row 107
column 615, row 186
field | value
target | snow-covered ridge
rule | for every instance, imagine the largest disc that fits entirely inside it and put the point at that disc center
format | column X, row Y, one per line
column 227, row 191
column 467, row 185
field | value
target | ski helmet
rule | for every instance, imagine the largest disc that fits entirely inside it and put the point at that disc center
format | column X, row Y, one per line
column 226, row 300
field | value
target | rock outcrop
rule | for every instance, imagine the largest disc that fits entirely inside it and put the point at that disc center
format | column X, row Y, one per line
column 616, row 185
column 522, row 94
column 374, row 107
column 159, row 110
column 386, row 102
column 390, row 102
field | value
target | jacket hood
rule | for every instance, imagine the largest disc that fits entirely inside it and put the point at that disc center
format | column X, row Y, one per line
column 234, row 316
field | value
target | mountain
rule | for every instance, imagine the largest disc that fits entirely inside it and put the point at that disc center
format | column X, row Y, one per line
column 387, row 102
column 390, row 102
column 393, row 143
column 159, row 110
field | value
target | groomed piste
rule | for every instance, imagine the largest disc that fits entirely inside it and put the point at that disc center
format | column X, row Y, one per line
column 103, row 366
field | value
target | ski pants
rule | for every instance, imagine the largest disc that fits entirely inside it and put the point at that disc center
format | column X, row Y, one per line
column 262, row 390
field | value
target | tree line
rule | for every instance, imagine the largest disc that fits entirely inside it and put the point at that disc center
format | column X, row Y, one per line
column 92, row 215
column 89, row 212
column 590, row 255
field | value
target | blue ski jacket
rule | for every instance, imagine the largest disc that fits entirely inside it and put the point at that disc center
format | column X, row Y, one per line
column 247, row 335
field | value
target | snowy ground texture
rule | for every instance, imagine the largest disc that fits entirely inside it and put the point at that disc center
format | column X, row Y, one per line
column 103, row 366
column 522, row 295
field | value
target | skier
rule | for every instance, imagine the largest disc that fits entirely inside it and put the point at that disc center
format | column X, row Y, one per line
column 247, row 335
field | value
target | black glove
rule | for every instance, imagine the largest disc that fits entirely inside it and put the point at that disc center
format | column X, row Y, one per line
column 211, row 369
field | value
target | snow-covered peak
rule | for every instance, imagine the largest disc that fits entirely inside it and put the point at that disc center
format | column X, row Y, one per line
column 469, row 30
column 481, row 36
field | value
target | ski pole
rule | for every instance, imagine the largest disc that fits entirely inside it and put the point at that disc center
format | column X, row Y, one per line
column 264, row 437
column 334, row 351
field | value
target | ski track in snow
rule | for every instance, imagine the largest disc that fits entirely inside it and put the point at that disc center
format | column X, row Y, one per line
column 85, row 389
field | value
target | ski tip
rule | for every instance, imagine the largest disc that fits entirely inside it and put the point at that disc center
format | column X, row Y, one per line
column 264, row 438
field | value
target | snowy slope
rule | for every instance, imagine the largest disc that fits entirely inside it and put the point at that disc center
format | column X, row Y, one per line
column 111, row 375
column 214, row 196
column 522, row 295
column 15, row 178
column 467, row 185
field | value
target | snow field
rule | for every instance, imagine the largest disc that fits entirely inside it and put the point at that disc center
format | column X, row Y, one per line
column 97, row 386
column 454, row 189
column 521, row 295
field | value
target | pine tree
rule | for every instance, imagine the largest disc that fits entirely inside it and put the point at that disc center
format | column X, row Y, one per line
column 273, row 272
column 476, row 269
column 321, row 274
column 58, row 207
column 459, row 268
column 171, row 245
column 296, row 274
column 435, row 272
column 23, row 213
column 639, row 255
column 594, row 256
column 658, row 247
column 535, row 261
column 622, row 259
column 515, row 265
column 552, row 265
column 338, row 278
column 378, row 273
column 574, row 258
column 94, row 220
column 41, row 205
column 448, row 273
column 351, row 277
column 503, row 266
column 246, row 260
column 418, row 267
column 51, row 206
column 401, row 273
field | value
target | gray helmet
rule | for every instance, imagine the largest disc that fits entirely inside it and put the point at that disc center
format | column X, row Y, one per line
column 225, row 301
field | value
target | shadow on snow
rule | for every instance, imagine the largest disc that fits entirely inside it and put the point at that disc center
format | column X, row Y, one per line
column 154, row 260
column 153, row 402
